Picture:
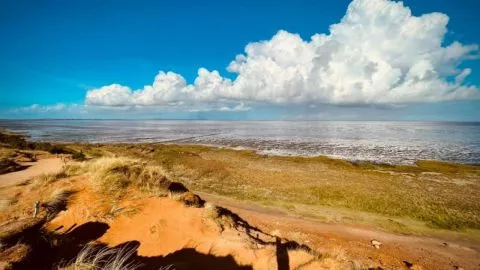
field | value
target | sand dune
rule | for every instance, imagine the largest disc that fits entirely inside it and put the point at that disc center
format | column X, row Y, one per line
column 168, row 231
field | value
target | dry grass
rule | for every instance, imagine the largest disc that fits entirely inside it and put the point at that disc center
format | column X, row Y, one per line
column 210, row 211
column 5, row 203
column 221, row 220
column 92, row 258
column 6, row 153
column 46, row 179
column 112, row 175
column 442, row 195
column 57, row 202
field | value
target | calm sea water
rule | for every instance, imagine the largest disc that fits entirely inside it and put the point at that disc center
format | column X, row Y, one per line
column 391, row 142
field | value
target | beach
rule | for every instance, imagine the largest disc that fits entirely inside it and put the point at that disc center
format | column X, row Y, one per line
column 424, row 214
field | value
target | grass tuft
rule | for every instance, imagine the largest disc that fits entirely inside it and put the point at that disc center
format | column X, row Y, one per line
column 92, row 258
column 112, row 175
column 57, row 202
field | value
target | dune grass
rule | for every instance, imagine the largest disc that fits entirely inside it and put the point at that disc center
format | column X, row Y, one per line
column 112, row 175
column 442, row 195
column 92, row 257
column 6, row 153
column 48, row 178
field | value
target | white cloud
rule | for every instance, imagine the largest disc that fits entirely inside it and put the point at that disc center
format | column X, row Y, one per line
column 379, row 53
column 238, row 108
column 36, row 108
column 110, row 95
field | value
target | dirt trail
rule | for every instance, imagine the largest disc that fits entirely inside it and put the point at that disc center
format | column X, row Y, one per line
column 47, row 165
column 429, row 252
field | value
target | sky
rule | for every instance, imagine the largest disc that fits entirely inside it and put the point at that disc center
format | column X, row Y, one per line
column 241, row 60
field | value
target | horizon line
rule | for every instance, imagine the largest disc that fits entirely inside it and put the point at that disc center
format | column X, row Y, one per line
column 233, row 120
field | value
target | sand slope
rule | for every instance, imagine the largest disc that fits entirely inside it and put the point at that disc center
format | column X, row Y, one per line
column 173, row 233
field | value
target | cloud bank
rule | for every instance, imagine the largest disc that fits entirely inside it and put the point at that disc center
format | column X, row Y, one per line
column 379, row 53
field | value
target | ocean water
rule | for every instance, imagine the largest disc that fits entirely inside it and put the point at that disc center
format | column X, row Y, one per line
column 390, row 142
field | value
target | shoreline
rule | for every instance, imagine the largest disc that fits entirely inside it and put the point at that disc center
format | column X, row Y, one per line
column 425, row 214
column 206, row 163
column 380, row 142
column 258, row 152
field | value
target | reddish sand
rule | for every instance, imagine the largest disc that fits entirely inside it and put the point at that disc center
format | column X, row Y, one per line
column 429, row 252
column 164, row 226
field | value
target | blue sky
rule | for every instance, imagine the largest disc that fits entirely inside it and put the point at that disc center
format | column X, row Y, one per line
column 54, row 52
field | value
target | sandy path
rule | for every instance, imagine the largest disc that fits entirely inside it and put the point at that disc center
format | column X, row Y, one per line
column 430, row 252
column 47, row 165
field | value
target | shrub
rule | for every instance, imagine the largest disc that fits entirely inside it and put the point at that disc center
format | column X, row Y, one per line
column 51, row 148
column 13, row 140
column 80, row 156
column 7, row 165
column 191, row 199
column 58, row 149
column 6, row 153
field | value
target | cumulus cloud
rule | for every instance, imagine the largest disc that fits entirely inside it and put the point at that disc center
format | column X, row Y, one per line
column 379, row 53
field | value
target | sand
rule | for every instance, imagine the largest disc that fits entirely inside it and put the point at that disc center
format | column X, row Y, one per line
column 430, row 252
column 42, row 166
column 166, row 231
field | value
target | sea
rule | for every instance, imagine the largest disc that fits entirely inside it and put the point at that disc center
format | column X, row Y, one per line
column 382, row 142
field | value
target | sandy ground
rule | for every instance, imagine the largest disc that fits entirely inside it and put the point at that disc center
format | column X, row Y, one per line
column 167, row 230
column 42, row 166
column 431, row 253
column 164, row 227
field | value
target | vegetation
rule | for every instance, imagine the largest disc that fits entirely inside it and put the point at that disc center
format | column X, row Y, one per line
column 9, row 140
column 12, row 140
column 6, row 153
column 49, row 178
column 57, row 149
column 442, row 195
column 92, row 257
column 26, row 244
column 8, row 165
column 112, row 175
column 80, row 156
